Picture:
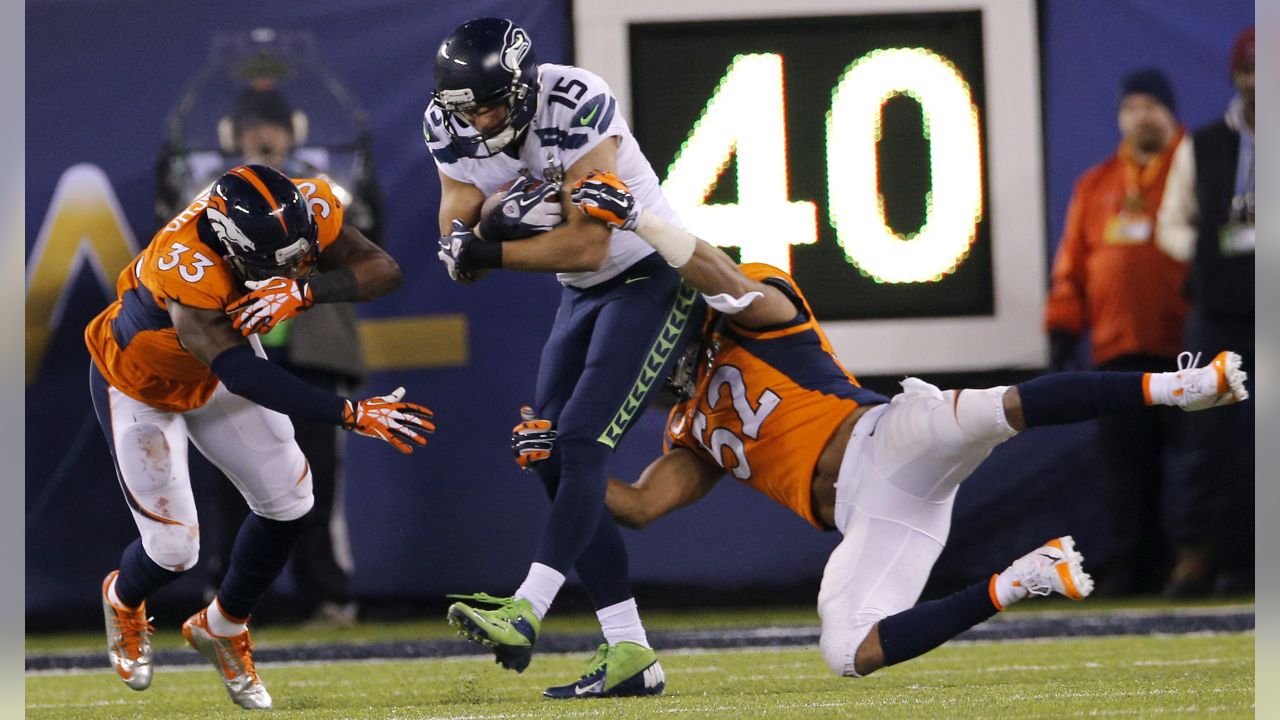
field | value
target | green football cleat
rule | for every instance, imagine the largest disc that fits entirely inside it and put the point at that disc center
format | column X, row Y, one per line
column 509, row 630
column 622, row 670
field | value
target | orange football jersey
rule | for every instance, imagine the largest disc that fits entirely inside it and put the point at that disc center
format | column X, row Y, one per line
column 767, row 400
column 133, row 341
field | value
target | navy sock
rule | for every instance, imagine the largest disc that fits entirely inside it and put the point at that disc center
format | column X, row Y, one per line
column 261, row 549
column 140, row 576
column 914, row 632
column 1072, row 397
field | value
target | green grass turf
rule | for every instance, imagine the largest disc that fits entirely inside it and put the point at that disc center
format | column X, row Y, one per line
column 1189, row 675
column 436, row 628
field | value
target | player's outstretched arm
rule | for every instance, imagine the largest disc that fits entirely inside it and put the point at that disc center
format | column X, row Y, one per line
column 604, row 196
column 352, row 269
column 210, row 337
column 675, row 480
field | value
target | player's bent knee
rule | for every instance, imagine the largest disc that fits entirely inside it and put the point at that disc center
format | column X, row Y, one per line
column 173, row 547
column 288, row 508
column 145, row 442
column 840, row 648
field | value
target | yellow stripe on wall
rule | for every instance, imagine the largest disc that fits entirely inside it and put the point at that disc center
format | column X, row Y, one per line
column 410, row 343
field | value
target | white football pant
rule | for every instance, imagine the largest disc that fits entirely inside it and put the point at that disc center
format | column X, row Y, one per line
column 252, row 445
column 896, row 486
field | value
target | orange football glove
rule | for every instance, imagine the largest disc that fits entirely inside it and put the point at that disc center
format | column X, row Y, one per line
column 389, row 419
column 532, row 440
column 268, row 303
column 603, row 196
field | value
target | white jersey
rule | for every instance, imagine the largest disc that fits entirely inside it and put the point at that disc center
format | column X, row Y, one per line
column 576, row 111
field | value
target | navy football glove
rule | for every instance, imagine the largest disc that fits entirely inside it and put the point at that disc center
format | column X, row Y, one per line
column 529, row 207
column 465, row 256
column 532, row 440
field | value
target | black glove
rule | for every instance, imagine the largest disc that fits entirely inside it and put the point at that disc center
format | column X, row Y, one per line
column 464, row 255
column 530, row 207
column 1062, row 350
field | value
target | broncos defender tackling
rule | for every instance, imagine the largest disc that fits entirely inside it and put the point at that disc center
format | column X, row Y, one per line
column 497, row 116
column 766, row 400
column 175, row 359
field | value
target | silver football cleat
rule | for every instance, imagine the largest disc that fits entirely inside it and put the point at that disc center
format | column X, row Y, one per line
column 232, row 657
column 128, row 640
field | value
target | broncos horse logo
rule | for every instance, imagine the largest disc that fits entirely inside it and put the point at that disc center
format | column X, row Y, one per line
column 230, row 235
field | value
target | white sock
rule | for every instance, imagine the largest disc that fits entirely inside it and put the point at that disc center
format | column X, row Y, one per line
column 621, row 623
column 112, row 596
column 540, row 587
column 222, row 625
column 1158, row 387
column 1003, row 591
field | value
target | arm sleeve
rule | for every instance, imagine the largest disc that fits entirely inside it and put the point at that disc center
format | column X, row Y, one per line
column 271, row 386
column 1064, row 310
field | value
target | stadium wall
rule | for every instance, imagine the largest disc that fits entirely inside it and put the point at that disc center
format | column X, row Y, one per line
column 101, row 79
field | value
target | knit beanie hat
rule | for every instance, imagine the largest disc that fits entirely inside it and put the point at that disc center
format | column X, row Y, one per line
column 1242, row 51
column 1149, row 81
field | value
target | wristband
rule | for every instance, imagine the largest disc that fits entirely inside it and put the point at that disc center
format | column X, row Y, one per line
column 484, row 254
column 338, row 285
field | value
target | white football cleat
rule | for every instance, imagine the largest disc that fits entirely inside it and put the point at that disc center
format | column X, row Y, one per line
column 232, row 657
column 1053, row 567
column 1221, row 382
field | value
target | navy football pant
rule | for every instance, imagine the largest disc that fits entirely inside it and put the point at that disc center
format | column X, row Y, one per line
column 610, row 350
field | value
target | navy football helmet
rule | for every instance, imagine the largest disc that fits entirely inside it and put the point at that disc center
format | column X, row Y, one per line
column 485, row 62
column 264, row 224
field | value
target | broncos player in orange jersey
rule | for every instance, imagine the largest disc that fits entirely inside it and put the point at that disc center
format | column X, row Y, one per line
column 767, row 401
column 175, row 359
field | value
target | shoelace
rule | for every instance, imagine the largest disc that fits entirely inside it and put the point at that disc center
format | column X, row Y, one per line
column 240, row 651
column 1187, row 361
column 1030, row 579
column 597, row 661
column 133, row 627
column 485, row 598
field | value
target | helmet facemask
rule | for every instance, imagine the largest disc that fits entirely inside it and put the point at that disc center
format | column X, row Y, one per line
column 294, row 262
column 520, row 101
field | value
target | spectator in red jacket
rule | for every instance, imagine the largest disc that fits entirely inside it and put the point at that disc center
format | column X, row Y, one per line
column 1119, row 279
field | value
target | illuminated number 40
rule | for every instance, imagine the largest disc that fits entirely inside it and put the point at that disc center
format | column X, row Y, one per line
column 746, row 117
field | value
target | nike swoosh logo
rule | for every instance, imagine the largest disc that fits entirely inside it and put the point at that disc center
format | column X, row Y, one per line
column 586, row 119
column 635, row 279
column 593, row 687
column 528, row 201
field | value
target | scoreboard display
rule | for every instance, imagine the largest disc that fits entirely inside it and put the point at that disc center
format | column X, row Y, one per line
column 847, row 150
column 886, row 153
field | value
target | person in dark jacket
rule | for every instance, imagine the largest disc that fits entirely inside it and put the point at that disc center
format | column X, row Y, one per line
column 1214, row 205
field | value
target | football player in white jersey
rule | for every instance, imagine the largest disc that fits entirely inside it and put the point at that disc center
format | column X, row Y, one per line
column 499, row 121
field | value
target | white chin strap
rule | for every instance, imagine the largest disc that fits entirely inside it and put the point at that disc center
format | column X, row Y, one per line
column 496, row 143
column 730, row 305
